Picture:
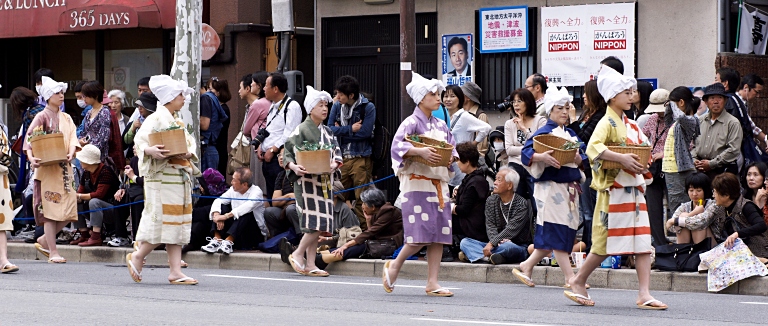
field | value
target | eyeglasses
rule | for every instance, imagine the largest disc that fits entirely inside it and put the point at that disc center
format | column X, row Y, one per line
column 517, row 101
column 529, row 86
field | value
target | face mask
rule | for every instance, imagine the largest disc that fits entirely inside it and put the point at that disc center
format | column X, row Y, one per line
column 37, row 88
column 498, row 145
column 81, row 104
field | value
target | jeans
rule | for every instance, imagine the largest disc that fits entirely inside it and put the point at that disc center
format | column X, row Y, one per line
column 587, row 209
column 210, row 158
column 511, row 252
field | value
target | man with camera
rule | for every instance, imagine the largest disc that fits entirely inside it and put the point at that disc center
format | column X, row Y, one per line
column 284, row 116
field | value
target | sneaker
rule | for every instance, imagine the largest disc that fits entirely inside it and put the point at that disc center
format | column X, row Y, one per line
column 497, row 259
column 64, row 237
column 119, row 242
column 212, row 246
column 463, row 257
column 225, row 247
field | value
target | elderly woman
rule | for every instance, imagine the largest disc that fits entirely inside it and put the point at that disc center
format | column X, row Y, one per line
column 314, row 192
column 741, row 218
column 621, row 223
column 516, row 132
column 556, row 191
column 58, row 207
column 98, row 185
column 168, row 182
column 385, row 222
column 423, row 189
column 118, row 99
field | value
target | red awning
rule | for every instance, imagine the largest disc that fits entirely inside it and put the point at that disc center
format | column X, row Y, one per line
column 115, row 14
column 34, row 18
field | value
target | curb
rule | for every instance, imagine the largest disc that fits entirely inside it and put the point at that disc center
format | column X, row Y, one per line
column 459, row 272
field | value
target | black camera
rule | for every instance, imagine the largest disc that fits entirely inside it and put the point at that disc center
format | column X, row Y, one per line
column 506, row 105
column 261, row 135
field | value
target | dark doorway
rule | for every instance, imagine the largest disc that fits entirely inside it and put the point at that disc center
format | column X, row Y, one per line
column 375, row 61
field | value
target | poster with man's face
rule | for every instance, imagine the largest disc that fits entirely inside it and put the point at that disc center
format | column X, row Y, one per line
column 457, row 59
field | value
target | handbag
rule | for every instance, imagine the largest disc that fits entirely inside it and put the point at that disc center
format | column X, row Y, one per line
column 681, row 257
column 380, row 248
column 347, row 234
column 240, row 155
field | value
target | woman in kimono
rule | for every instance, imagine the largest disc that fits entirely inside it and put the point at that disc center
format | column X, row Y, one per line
column 314, row 192
column 556, row 191
column 6, row 206
column 59, row 205
column 168, row 181
column 424, row 198
column 621, row 225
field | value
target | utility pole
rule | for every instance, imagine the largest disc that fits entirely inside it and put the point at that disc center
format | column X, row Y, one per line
column 187, row 58
column 407, row 54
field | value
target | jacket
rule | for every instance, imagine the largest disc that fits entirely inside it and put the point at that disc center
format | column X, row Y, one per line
column 386, row 224
column 354, row 143
column 470, row 206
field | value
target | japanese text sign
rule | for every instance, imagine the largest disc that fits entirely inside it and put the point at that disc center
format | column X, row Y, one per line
column 504, row 29
column 574, row 39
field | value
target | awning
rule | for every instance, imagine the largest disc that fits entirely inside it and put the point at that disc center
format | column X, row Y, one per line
column 34, row 18
column 116, row 14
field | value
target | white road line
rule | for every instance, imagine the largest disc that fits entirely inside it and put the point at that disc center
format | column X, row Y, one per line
column 313, row 281
column 475, row 322
column 765, row 303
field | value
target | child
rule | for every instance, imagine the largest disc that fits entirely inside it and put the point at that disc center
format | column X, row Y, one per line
column 691, row 220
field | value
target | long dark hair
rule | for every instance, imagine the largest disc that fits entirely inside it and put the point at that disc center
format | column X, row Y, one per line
column 644, row 90
column 685, row 94
column 761, row 168
column 527, row 97
column 595, row 101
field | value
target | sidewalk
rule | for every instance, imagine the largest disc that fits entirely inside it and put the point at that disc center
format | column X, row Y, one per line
column 460, row 272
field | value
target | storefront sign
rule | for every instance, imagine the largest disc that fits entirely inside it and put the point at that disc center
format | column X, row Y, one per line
column 98, row 17
column 504, row 29
column 457, row 59
column 576, row 38
column 211, row 42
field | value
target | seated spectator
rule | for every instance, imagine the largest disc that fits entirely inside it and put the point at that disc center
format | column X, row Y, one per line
column 469, row 209
column 281, row 215
column 754, row 183
column 98, row 185
column 245, row 205
column 691, row 220
column 508, row 224
column 741, row 218
column 212, row 185
column 135, row 191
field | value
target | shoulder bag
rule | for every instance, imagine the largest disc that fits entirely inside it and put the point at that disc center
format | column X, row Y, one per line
column 681, row 257
column 380, row 248
column 240, row 154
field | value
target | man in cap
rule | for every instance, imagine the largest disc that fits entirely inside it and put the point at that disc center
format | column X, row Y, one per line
column 717, row 148
column 472, row 94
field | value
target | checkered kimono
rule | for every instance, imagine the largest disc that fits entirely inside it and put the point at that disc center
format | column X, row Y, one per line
column 314, row 193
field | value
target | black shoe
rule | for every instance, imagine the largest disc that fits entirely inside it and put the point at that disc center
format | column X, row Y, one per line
column 286, row 249
column 497, row 259
column 447, row 255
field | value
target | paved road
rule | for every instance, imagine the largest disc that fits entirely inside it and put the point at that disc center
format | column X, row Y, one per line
column 80, row 293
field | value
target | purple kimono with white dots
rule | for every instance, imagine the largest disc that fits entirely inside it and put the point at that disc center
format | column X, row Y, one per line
column 424, row 222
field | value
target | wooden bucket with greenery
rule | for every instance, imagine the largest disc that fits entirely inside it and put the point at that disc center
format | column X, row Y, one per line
column 314, row 157
column 563, row 150
column 444, row 149
column 49, row 147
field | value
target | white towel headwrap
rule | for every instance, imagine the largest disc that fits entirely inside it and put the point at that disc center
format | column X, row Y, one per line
column 313, row 97
column 420, row 86
column 50, row 87
column 167, row 88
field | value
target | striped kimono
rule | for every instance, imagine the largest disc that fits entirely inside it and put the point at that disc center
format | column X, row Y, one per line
column 621, row 224
column 314, row 193
column 167, row 215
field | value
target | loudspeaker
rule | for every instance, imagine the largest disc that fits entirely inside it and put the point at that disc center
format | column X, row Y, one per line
column 296, row 89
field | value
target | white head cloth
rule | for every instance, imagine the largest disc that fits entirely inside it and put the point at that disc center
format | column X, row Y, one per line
column 50, row 87
column 167, row 88
column 555, row 97
column 610, row 82
column 313, row 97
column 420, row 86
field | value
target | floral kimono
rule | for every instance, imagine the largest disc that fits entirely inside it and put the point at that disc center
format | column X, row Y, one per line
column 314, row 192
column 424, row 197
column 6, row 201
column 167, row 215
column 55, row 195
